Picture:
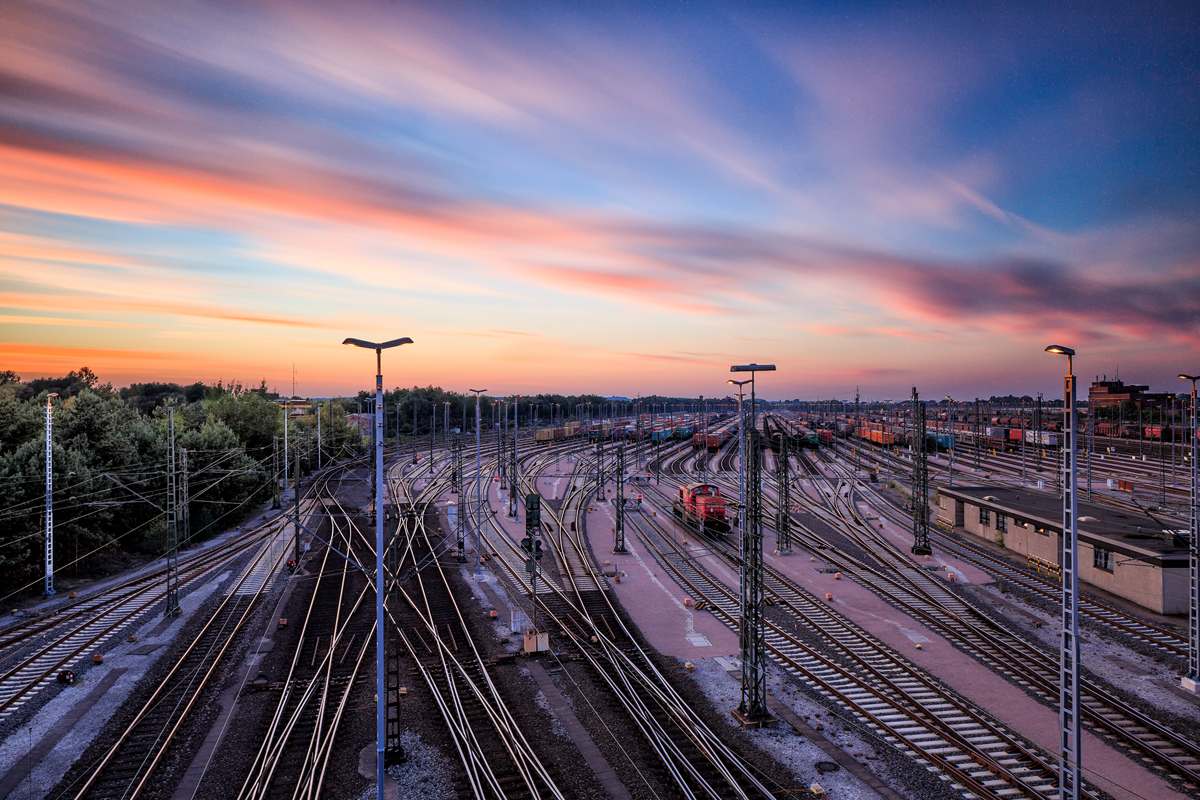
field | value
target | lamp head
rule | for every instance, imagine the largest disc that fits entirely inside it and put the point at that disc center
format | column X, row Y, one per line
column 1058, row 348
column 378, row 345
column 1189, row 377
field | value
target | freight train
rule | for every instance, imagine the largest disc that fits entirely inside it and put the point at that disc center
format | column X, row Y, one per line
column 701, row 507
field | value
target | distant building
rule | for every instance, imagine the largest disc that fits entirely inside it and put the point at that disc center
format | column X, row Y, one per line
column 1108, row 393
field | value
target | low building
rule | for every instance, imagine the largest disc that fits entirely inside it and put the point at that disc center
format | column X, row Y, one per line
column 1125, row 553
column 1106, row 393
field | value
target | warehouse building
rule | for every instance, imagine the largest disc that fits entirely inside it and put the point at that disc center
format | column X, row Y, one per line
column 1125, row 553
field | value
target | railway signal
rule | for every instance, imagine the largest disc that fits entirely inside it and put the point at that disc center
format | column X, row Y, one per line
column 532, row 545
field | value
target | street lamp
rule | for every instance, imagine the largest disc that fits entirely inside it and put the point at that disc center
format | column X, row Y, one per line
column 478, row 491
column 1193, row 676
column 1070, row 768
column 380, row 687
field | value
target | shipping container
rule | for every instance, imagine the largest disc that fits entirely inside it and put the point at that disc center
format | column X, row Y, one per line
column 1043, row 438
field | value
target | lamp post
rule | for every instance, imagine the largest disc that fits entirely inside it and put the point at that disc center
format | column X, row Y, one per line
column 49, row 496
column 478, row 491
column 1070, row 768
column 1193, row 676
column 380, row 686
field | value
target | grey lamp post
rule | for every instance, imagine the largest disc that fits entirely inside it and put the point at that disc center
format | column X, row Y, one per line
column 478, row 491
column 1070, row 767
column 380, row 687
column 1193, row 676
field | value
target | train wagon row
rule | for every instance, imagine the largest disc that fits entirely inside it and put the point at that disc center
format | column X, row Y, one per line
column 711, row 441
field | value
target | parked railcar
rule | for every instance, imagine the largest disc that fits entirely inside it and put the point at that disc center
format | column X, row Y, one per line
column 701, row 507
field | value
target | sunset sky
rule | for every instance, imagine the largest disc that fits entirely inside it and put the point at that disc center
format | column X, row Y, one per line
column 621, row 198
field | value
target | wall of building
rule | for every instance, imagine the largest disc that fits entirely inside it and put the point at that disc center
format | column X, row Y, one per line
column 1160, row 590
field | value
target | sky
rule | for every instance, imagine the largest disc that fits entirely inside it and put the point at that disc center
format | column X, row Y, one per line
column 620, row 198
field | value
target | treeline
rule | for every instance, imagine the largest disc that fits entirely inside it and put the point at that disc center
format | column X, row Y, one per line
column 410, row 412
column 110, row 452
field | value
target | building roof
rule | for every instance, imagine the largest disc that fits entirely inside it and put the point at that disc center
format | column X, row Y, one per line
column 1132, row 534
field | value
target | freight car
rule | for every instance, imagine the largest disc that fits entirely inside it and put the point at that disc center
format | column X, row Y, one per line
column 701, row 507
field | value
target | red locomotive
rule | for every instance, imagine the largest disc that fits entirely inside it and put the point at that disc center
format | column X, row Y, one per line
column 701, row 507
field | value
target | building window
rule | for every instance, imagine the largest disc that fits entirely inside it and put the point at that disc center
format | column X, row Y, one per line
column 985, row 516
column 1001, row 523
column 1102, row 559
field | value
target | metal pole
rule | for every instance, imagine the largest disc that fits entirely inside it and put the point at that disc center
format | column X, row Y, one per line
column 1193, row 676
column 1070, row 767
column 950, row 435
column 49, row 496
column 512, row 495
column 285, row 448
column 380, row 631
column 380, row 684
column 478, row 491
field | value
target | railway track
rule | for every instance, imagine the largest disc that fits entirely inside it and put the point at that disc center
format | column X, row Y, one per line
column 883, row 691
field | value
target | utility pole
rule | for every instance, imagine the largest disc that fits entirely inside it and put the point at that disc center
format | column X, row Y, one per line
column 619, row 530
column 978, row 432
column 1037, row 436
column 49, row 496
column 920, row 482
column 783, row 517
column 456, row 486
column 478, row 490
column 516, row 483
column 599, row 469
column 185, row 531
column 753, row 709
column 296, row 515
column 172, row 609
column 1193, row 676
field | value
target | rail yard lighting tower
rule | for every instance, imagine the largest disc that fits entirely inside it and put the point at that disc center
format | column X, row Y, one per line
column 478, row 491
column 380, row 685
column 753, row 708
column 50, row 494
column 1193, row 676
column 1070, row 768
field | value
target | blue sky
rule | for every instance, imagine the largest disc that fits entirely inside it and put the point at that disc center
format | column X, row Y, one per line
column 621, row 198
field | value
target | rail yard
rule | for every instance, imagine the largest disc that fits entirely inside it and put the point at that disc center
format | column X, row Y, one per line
column 565, row 616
